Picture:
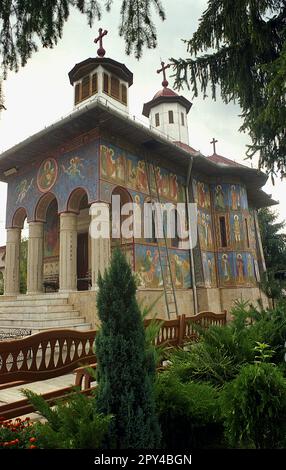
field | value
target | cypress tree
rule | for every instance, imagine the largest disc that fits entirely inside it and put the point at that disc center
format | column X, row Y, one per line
column 125, row 371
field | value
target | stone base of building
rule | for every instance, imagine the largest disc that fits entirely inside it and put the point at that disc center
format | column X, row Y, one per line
column 79, row 308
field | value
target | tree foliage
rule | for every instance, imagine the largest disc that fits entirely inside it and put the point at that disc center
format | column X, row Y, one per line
column 273, row 240
column 126, row 370
column 27, row 25
column 239, row 49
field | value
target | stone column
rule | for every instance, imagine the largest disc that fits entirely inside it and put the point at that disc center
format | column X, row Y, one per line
column 12, row 262
column 100, row 240
column 68, row 252
column 35, row 258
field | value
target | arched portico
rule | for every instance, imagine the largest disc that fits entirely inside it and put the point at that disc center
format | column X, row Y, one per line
column 12, row 261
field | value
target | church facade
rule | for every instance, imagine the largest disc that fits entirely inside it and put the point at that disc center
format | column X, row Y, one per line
column 59, row 177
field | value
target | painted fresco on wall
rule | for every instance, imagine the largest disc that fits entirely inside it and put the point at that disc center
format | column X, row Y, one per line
column 236, row 230
column 202, row 194
column 243, row 198
column 74, row 168
column 205, row 230
column 123, row 168
column 226, row 268
column 112, row 163
column 136, row 174
column 71, row 170
column 23, row 188
column 51, row 231
column 234, row 196
column 221, row 197
column 251, row 229
column 47, row 175
column 236, row 268
column 244, row 268
column 209, row 269
column 148, row 267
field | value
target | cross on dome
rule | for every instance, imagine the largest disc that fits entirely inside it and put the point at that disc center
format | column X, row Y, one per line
column 214, row 141
column 101, row 51
column 165, row 82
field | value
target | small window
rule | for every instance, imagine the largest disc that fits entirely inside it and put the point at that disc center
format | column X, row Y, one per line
column 157, row 119
column 77, row 93
column 223, row 236
column 246, row 232
column 171, row 117
column 105, row 83
column 94, row 85
column 85, row 87
column 182, row 119
column 124, row 94
column 115, row 87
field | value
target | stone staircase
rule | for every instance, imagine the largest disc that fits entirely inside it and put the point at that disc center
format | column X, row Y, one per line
column 40, row 312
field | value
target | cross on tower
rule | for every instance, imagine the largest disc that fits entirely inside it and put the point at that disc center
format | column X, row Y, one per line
column 165, row 82
column 100, row 51
column 214, row 141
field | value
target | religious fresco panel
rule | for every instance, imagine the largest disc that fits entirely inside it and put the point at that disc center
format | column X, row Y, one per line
column 220, row 196
column 226, row 268
column 244, row 268
column 125, row 169
column 71, row 170
column 237, row 269
column 51, row 231
column 237, row 236
column 148, row 267
column 205, row 230
column 201, row 194
column 209, row 269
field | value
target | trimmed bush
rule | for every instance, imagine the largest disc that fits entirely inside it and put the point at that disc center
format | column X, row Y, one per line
column 126, row 371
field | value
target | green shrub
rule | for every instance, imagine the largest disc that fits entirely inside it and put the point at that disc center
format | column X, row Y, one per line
column 270, row 328
column 72, row 424
column 126, row 370
column 254, row 407
column 188, row 413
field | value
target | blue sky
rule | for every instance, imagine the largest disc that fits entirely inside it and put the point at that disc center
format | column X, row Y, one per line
column 40, row 93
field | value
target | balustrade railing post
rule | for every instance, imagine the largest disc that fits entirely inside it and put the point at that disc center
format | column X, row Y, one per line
column 182, row 328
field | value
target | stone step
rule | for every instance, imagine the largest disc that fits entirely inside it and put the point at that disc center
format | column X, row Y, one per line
column 33, row 303
column 28, row 297
column 47, row 323
column 67, row 313
column 72, row 326
column 35, row 309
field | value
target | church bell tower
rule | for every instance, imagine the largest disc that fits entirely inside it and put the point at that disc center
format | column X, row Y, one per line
column 167, row 111
column 102, row 78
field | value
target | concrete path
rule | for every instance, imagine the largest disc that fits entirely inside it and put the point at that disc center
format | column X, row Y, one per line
column 12, row 394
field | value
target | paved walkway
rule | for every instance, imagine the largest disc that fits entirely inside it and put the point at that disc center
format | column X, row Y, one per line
column 12, row 394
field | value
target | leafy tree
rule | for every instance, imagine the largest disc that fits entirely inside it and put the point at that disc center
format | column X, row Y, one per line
column 26, row 25
column 273, row 241
column 239, row 49
column 126, row 370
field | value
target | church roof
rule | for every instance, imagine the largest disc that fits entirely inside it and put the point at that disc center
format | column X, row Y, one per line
column 165, row 92
column 97, row 114
column 166, row 95
column 223, row 160
column 86, row 66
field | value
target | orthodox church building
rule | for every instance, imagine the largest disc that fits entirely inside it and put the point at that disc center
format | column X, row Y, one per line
column 57, row 178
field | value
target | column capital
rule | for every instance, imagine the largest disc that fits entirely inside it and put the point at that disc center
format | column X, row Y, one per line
column 36, row 229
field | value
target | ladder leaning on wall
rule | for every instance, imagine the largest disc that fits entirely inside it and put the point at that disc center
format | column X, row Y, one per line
column 164, row 258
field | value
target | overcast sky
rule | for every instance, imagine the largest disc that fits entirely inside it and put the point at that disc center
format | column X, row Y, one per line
column 40, row 93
